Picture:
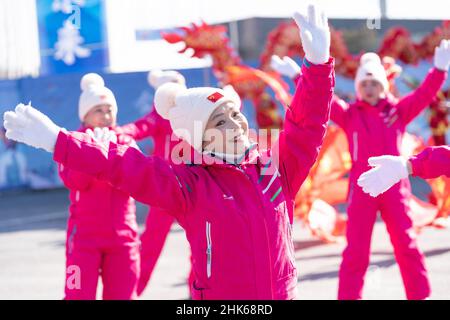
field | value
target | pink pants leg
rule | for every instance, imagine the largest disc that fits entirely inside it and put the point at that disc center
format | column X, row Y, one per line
column 120, row 272
column 362, row 213
column 83, row 263
column 395, row 213
column 157, row 227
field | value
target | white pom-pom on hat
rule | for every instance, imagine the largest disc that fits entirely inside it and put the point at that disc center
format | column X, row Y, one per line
column 153, row 77
column 369, row 57
column 91, row 80
column 165, row 97
column 157, row 78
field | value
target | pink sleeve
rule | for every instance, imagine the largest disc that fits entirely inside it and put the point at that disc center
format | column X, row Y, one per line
column 414, row 103
column 339, row 110
column 305, row 124
column 73, row 179
column 150, row 180
column 432, row 162
column 338, row 106
column 142, row 128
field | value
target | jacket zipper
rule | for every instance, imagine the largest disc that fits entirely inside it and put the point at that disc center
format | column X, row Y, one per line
column 290, row 244
column 208, row 249
column 71, row 236
column 355, row 146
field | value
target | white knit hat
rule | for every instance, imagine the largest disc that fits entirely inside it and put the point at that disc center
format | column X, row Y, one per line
column 94, row 93
column 370, row 68
column 157, row 78
column 188, row 110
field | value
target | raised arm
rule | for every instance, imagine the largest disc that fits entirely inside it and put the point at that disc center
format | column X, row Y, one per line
column 142, row 128
column 339, row 111
column 414, row 103
column 307, row 117
column 288, row 67
column 150, row 180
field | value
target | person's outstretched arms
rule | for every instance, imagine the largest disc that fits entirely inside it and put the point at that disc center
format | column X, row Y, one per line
column 431, row 163
column 307, row 117
column 150, row 180
column 386, row 171
column 414, row 103
column 389, row 170
column 27, row 125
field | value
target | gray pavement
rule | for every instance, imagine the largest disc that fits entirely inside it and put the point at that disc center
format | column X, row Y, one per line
column 32, row 237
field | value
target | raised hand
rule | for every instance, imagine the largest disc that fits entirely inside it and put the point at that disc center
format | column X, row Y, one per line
column 286, row 66
column 30, row 126
column 442, row 55
column 314, row 33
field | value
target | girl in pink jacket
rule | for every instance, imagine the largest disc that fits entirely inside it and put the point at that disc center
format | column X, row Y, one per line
column 102, row 237
column 374, row 125
column 234, row 201
column 388, row 170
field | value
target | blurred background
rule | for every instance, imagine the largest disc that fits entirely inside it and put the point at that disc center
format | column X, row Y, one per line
column 47, row 45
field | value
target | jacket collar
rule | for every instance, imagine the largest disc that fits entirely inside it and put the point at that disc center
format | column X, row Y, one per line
column 364, row 105
column 251, row 156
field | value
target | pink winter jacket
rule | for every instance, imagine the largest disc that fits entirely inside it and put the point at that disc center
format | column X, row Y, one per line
column 237, row 218
column 378, row 130
column 96, row 207
column 431, row 162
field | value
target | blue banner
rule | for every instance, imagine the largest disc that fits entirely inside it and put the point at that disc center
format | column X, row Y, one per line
column 72, row 36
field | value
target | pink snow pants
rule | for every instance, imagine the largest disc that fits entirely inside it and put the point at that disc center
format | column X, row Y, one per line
column 89, row 256
column 362, row 213
column 157, row 228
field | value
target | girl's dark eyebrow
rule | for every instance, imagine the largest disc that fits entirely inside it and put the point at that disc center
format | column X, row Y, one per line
column 217, row 115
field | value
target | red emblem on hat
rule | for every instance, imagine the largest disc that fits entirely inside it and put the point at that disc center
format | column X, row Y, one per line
column 103, row 97
column 214, row 97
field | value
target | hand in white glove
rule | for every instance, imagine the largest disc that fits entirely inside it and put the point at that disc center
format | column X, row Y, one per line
column 315, row 34
column 386, row 171
column 30, row 126
column 102, row 136
column 286, row 66
column 442, row 55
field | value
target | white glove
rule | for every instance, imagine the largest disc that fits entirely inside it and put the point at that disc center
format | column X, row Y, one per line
column 30, row 126
column 442, row 55
column 102, row 136
column 315, row 34
column 386, row 171
column 286, row 66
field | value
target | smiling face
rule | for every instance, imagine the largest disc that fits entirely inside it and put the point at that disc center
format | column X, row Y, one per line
column 226, row 131
column 370, row 91
column 101, row 116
